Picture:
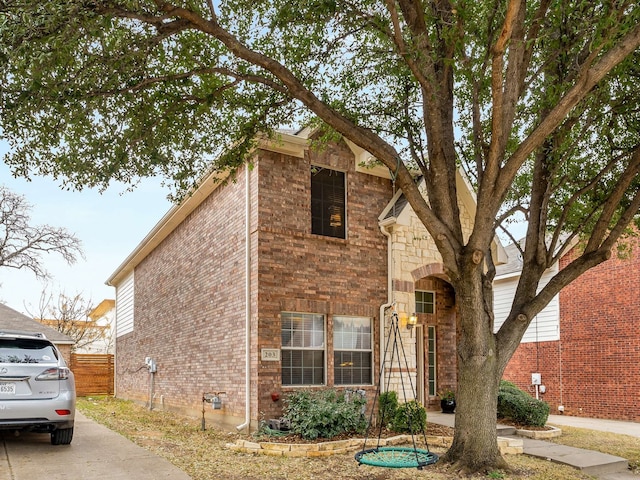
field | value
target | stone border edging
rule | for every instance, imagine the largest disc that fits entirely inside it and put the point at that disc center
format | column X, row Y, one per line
column 508, row 446
column 540, row 434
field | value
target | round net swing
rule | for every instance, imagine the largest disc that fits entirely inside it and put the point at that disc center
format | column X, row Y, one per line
column 395, row 456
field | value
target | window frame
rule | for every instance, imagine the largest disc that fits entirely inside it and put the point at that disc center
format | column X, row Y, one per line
column 433, row 303
column 322, row 349
column 432, row 360
column 322, row 226
column 369, row 351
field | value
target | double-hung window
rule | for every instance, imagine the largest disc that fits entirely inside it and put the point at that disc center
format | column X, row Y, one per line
column 328, row 202
column 352, row 351
column 303, row 349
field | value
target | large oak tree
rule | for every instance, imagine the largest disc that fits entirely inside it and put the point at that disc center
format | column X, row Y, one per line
column 537, row 101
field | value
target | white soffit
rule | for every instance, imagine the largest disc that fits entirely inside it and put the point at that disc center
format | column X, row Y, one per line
column 366, row 163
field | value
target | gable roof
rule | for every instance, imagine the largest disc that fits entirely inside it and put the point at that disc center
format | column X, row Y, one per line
column 514, row 264
column 104, row 307
column 293, row 143
column 11, row 319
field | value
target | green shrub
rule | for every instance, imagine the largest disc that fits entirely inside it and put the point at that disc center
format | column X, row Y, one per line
column 324, row 413
column 410, row 417
column 387, row 407
column 520, row 407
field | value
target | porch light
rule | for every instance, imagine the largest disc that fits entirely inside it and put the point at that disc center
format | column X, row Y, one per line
column 412, row 321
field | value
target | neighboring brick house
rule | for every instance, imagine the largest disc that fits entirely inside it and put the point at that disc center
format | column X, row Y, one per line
column 11, row 319
column 291, row 298
column 588, row 346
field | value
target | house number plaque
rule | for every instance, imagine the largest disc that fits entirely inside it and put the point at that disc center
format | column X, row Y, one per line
column 270, row 354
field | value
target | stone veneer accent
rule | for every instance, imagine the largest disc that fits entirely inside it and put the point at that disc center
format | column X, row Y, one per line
column 417, row 265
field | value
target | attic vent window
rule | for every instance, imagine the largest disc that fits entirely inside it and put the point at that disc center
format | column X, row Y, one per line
column 328, row 202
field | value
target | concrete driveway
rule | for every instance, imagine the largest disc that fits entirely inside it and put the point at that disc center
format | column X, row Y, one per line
column 95, row 453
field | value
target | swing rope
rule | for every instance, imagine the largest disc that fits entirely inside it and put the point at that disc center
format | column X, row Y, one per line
column 395, row 457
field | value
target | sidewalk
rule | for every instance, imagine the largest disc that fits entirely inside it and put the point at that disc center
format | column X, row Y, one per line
column 603, row 425
column 601, row 465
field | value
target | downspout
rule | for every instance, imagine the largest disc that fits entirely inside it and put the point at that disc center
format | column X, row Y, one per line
column 383, row 228
column 247, row 297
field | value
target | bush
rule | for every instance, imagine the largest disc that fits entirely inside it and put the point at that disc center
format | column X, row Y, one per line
column 411, row 417
column 387, row 407
column 324, row 413
column 520, row 407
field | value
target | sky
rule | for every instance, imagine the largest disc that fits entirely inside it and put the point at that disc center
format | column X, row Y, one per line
column 109, row 225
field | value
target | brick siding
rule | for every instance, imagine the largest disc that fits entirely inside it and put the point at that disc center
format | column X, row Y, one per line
column 302, row 272
column 593, row 370
column 445, row 321
column 189, row 311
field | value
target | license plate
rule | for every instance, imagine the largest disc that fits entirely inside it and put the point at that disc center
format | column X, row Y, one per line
column 8, row 388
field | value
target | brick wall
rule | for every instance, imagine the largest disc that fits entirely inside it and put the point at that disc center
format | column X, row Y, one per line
column 301, row 272
column 446, row 325
column 593, row 369
column 65, row 351
column 189, row 312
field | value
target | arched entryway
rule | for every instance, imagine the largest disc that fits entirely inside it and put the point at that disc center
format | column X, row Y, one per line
column 436, row 358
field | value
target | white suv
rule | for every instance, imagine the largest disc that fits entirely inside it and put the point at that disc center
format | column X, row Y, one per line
column 37, row 390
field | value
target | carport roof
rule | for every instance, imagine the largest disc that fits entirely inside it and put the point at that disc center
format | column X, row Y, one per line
column 11, row 319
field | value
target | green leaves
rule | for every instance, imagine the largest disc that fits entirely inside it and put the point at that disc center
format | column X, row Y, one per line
column 99, row 91
column 324, row 413
column 90, row 97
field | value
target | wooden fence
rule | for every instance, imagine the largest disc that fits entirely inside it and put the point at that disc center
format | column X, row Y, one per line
column 94, row 374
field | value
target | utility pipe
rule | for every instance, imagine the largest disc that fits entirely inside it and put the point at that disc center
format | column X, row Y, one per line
column 247, row 297
column 383, row 228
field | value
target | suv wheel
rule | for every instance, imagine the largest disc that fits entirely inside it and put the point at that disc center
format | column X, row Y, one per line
column 61, row 436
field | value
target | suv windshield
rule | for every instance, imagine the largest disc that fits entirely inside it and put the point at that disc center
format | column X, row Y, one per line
column 17, row 350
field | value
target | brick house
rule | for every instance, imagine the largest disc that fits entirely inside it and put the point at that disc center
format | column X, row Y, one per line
column 585, row 344
column 281, row 279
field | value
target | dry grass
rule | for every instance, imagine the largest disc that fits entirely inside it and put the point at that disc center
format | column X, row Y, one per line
column 204, row 455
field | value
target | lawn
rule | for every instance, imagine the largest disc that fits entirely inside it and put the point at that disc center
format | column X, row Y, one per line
column 204, row 454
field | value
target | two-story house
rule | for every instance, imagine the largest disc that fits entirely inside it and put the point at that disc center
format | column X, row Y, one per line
column 282, row 278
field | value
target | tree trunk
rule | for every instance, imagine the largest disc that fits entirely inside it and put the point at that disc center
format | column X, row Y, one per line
column 475, row 446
